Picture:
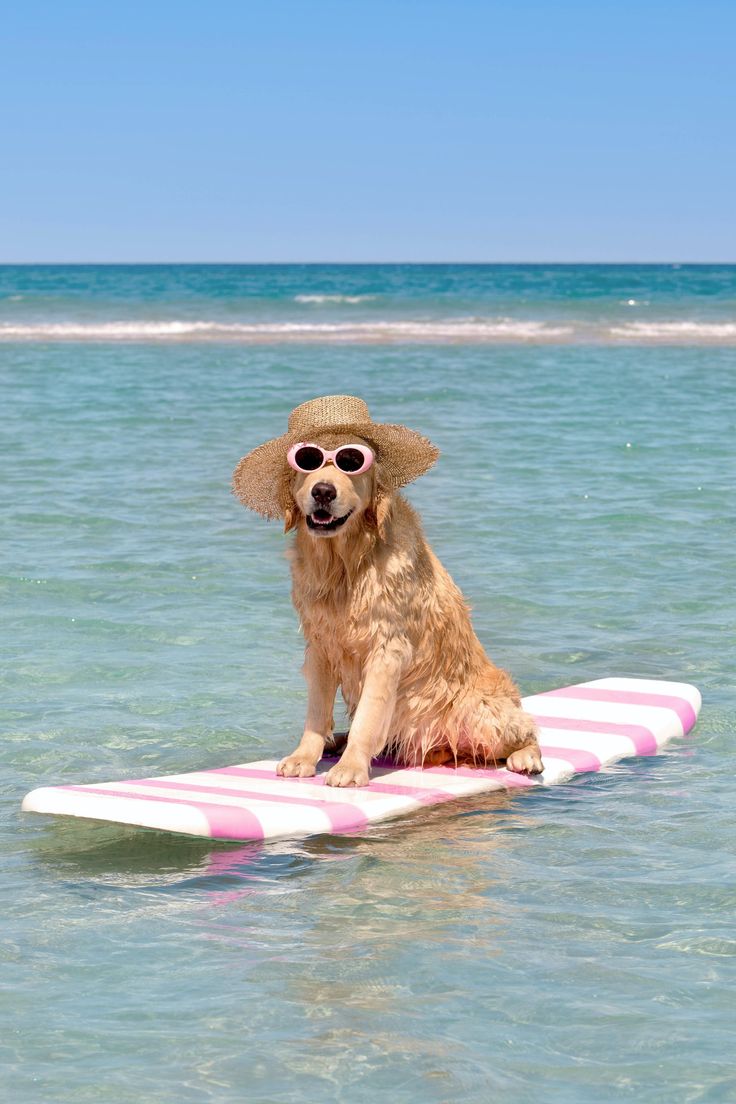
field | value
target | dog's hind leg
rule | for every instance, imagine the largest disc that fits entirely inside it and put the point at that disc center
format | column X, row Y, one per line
column 499, row 730
column 321, row 691
column 521, row 747
column 336, row 743
column 526, row 760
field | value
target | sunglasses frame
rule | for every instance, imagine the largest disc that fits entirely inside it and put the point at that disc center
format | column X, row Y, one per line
column 330, row 455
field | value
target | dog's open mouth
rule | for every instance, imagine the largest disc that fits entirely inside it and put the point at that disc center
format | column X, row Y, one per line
column 322, row 521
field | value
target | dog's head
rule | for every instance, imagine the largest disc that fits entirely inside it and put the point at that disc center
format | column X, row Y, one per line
column 330, row 502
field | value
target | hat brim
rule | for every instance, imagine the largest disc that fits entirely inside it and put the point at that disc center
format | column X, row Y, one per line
column 262, row 478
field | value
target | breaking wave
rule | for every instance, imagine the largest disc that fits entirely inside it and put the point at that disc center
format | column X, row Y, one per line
column 450, row 330
column 406, row 331
column 334, row 298
column 677, row 332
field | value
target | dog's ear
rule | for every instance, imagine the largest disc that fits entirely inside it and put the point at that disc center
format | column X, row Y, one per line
column 289, row 508
column 383, row 512
column 379, row 510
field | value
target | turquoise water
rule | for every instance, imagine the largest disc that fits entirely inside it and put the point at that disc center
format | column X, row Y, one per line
column 568, row 946
column 383, row 304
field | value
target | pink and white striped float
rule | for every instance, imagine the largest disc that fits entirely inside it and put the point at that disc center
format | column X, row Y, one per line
column 582, row 728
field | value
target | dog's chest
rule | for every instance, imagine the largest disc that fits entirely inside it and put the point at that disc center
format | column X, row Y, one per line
column 340, row 627
column 339, row 619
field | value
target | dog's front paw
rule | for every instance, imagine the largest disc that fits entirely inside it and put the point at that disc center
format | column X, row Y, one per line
column 296, row 766
column 348, row 773
column 527, row 760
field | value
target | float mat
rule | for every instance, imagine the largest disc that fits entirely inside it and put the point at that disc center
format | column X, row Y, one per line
column 582, row 728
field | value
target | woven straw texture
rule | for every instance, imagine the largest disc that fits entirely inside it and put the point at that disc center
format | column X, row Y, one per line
column 261, row 479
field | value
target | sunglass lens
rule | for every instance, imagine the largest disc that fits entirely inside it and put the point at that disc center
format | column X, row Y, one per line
column 308, row 458
column 349, row 459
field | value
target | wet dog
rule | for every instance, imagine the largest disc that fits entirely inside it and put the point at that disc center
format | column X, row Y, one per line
column 382, row 618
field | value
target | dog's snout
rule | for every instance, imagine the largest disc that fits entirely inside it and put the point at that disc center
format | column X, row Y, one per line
column 324, row 493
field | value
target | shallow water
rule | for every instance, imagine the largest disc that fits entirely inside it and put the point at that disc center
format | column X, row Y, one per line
column 570, row 946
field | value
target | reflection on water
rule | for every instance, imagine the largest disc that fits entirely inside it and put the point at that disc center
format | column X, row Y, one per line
column 338, row 926
column 161, row 862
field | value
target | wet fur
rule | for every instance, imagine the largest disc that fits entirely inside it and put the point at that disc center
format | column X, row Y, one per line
column 384, row 621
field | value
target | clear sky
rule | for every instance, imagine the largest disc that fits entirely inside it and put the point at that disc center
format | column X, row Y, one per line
column 368, row 130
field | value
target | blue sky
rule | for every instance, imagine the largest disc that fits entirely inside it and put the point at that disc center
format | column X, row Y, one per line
column 368, row 130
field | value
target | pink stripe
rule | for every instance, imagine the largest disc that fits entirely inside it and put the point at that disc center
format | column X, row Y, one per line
column 465, row 772
column 419, row 793
column 680, row 706
column 510, row 779
column 258, row 772
column 224, row 821
column 579, row 760
column 507, row 777
column 642, row 737
column 319, row 780
column 342, row 815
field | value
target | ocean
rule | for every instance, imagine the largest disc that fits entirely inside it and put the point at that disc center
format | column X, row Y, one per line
column 566, row 946
column 371, row 304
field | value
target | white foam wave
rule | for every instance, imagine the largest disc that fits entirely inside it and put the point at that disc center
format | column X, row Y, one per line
column 677, row 331
column 112, row 331
column 450, row 330
column 333, row 298
column 386, row 331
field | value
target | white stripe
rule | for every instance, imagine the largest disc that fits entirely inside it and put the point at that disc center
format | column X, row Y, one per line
column 555, row 770
column 651, row 686
column 387, row 804
column 285, row 787
column 289, row 820
column 413, row 777
column 664, row 723
column 169, row 817
column 449, row 784
column 269, row 765
column 601, row 744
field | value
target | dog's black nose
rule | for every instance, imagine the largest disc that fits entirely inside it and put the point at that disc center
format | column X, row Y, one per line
column 324, row 493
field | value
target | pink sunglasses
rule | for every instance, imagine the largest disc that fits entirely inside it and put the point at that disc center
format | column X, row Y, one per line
column 352, row 459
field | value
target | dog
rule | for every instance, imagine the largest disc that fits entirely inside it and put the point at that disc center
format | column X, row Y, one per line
column 382, row 618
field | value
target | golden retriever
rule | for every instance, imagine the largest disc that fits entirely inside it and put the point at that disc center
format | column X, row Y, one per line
column 384, row 622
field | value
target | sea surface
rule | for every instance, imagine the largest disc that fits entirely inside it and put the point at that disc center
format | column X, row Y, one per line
column 569, row 946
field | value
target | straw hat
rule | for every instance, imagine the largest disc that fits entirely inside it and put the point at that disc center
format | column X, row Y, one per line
column 261, row 479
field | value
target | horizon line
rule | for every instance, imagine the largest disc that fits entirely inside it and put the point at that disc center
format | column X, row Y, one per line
column 323, row 263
